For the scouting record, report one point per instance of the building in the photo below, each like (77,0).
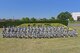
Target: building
(76,16)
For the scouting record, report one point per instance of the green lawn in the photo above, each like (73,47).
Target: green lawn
(55,45)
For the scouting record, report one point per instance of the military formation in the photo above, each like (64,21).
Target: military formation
(38,32)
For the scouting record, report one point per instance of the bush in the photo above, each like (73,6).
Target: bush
(18,22)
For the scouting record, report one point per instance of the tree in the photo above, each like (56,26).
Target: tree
(27,19)
(43,20)
(33,20)
(64,16)
(23,19)
(52,18)
(71,19)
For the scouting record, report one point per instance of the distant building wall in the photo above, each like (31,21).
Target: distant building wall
(76,15)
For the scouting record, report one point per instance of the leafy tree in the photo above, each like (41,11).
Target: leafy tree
(23,19)
(71,19)
(3,19)
(53,18)
(64,16)
(27,19)
(43,20)
(33,19)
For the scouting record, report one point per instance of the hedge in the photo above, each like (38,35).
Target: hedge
(16,23)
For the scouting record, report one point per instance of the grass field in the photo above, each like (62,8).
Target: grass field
(41,24)
(55,45)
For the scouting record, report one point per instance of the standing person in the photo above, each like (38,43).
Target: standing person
(7,32)
(4,32)
(24,32)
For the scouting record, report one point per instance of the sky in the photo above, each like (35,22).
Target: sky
(36,8)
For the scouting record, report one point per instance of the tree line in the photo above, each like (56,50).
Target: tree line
(62,18)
